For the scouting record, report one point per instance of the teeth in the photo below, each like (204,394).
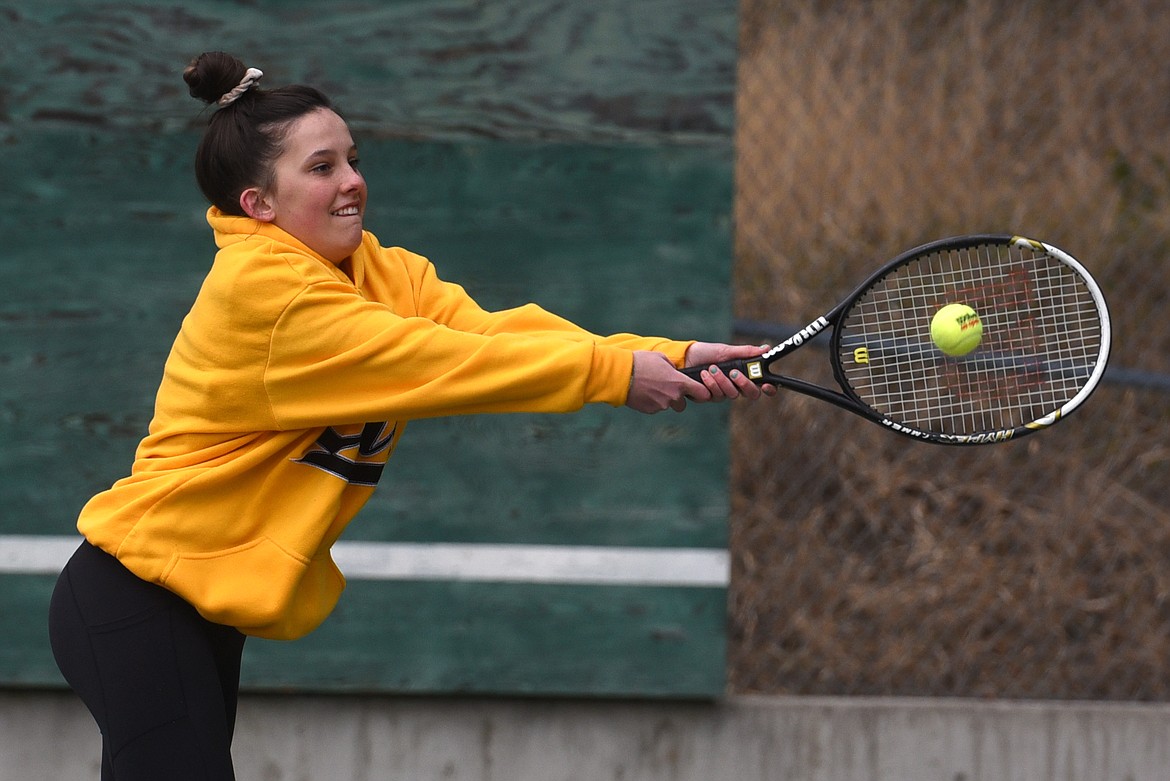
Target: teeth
(351,211)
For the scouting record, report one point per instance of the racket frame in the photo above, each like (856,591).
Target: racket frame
(757,369)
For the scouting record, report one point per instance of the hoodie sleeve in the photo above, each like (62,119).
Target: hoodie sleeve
(448,303)
(335,358)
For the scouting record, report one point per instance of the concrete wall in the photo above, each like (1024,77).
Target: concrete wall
(49,736)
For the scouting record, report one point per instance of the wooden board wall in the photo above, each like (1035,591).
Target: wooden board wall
(573,154)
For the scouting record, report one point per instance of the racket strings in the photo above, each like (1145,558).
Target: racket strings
(1041,340)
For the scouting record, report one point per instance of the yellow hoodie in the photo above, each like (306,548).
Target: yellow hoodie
(286,391)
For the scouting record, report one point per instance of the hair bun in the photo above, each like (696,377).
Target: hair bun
(212,75)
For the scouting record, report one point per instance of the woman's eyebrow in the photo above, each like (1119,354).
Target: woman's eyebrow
(326,152)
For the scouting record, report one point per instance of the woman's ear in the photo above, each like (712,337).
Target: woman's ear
(257,205)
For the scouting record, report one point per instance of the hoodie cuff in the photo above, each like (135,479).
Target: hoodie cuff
(609,376)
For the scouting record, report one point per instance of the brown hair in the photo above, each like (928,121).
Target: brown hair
(244,138)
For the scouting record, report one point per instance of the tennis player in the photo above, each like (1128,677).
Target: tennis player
(306,351)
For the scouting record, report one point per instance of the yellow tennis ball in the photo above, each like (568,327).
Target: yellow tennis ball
(956,329)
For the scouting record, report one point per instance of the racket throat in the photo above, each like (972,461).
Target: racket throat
(797,339)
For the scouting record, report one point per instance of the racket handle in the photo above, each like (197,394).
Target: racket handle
(740,365)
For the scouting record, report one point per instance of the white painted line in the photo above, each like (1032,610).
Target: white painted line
(21,555)
(567,564)
(596,565)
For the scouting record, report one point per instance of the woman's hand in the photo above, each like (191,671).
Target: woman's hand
(657,385)
(732,385)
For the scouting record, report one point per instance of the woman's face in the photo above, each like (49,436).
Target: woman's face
(318,194)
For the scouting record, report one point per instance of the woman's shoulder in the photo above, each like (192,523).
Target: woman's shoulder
(374,248)
(381,260)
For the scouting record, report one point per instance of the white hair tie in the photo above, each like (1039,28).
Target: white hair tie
(251,76)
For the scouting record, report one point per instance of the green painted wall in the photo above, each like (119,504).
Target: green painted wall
(573,154)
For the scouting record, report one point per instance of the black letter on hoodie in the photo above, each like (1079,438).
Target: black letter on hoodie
(327,453)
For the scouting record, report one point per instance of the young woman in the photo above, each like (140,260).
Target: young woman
(292,378)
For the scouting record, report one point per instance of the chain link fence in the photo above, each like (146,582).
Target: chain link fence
(864,563)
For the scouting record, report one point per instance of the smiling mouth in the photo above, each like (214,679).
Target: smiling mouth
(348,211)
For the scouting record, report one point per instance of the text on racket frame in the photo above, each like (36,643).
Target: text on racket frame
(798,338)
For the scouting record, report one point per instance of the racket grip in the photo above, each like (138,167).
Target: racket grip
(740,365)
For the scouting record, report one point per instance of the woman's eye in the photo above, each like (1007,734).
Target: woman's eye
(355,162)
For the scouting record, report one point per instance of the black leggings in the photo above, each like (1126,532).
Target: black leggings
(160,680)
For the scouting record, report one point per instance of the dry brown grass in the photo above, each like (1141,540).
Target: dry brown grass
(867,564)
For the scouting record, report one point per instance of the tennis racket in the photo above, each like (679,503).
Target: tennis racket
(1044,346)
